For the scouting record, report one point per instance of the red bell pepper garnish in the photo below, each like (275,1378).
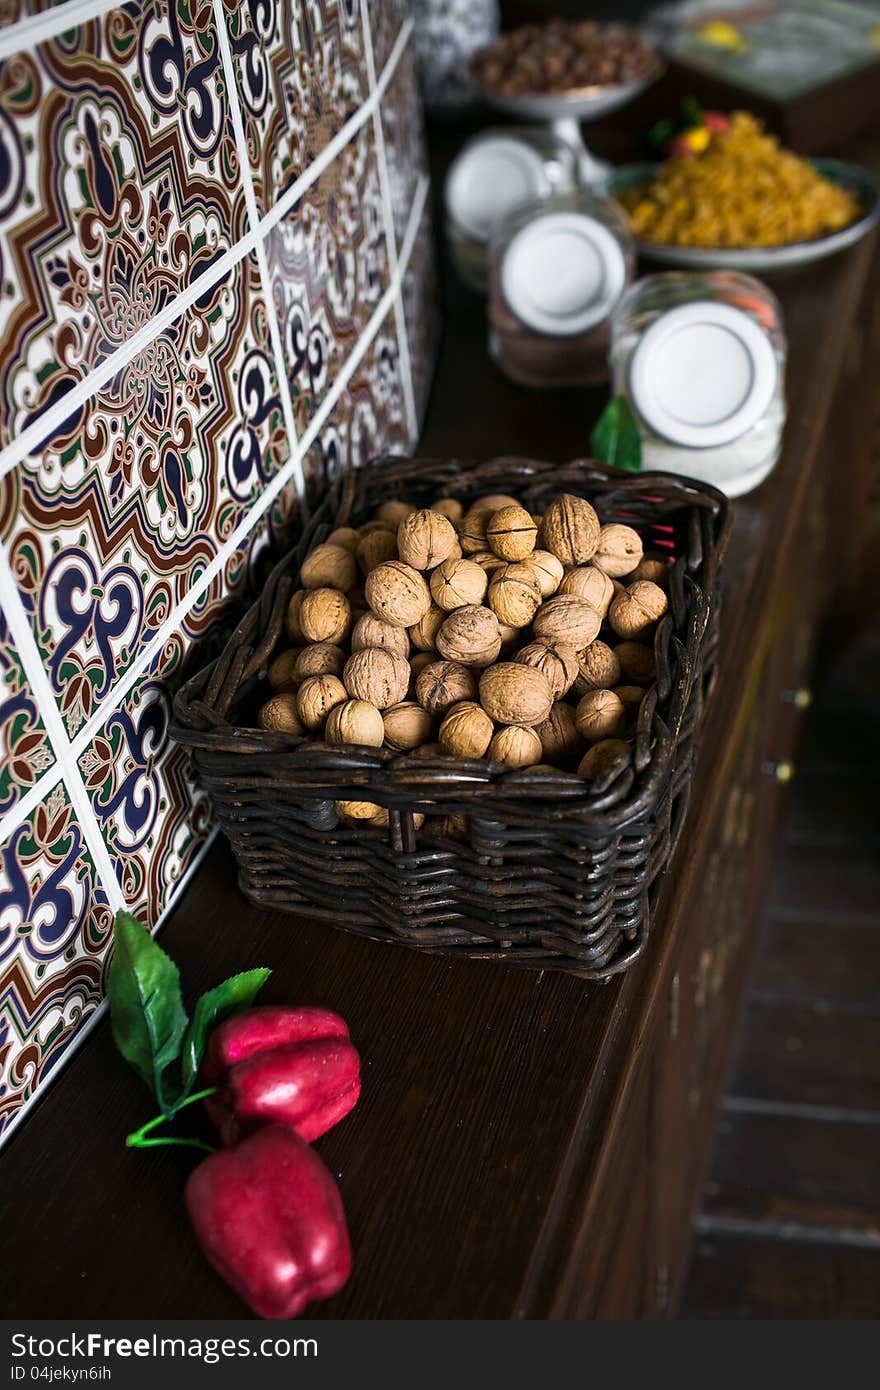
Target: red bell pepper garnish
(269,1218)
(280,1066)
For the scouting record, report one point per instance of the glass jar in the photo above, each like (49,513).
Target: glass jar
(495,173)
(558,269)
(701,360)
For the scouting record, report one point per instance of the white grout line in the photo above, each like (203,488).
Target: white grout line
(36,29)
(26,803)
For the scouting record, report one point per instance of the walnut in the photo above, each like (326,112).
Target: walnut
(494,501)
(282,670)
(279,714)
(610,756)
(424,539)
(488,561)
(292,625)
(329,567)
(320,659)
(515,595)
(355,721)
(557,661)
(570,530)
(568,618)
(456,583)
(407,726)
(598,668)
(443,684)
(369,528)
(515,694)
(470,635)
(472,531)
(417,664)
(449,507)
(424,633)
(325,615)
(428,750)
(511,533)
(376,675)
(375,549)
(548,569)
(398,594)
(637,608)
(467,731)
(360,813)
(450,827)
(600,714)
(652,568)
(510,636)
(515,746)
(370,631)
(393,512)
(636,662)
(316,697)
(456,552)
(560,738)
(619,550)
(593,585)
(346,536)
(630,695)
(357,601)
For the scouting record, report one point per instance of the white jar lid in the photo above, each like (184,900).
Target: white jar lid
(492,177)
(702,374)
(563,273)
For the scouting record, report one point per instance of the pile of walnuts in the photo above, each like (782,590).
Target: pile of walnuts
(491,633)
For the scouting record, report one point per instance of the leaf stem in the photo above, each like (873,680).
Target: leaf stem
(138,1140)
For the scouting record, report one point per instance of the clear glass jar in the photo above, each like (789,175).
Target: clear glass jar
(494,174)
(701,360)
(557,270)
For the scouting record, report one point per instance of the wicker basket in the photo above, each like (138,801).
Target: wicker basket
(553,874)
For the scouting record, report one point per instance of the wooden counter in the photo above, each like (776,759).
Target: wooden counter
(527,1145)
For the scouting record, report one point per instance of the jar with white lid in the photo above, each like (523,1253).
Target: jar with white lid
(494,174)
(701,360)
(558,270)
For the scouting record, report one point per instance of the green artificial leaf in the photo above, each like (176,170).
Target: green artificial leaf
(147,1016)
(235,994)
(616,440)
(692,113)
(660,134)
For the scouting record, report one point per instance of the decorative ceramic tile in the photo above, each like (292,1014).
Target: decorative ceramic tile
(55,925)
(25,751)
(386,18)
(301,72)
(329,267)
(421,303)
(138,199)
(111,522)
(13,10)
(403,128)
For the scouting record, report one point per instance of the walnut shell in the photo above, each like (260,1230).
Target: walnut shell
(488,561)
(450,827)
(346,536)
(570,530)
(472,531)
(369,527)
(515,595)
(561,741)
(282,670)
(598,668)
(600,714)
(428,750)
(376,675)
(325,615)
(548,569)
(510,636)
(320,659)
(567,618)
(329,567)
(355,721)
(376,549)
(425,539)
(557,662)
(470,635)
(637,663)
(590,584)
(417,663)
(360,813)
(637,608)
(610,755)
(654,569)
(292,625)
(619,550)
(630,695)
(511,533)
(515,694)
(280,715)
(397,594)
(456,583)
(370,631)
(449,507)
(423,634)
(407,726)
(467,731)
(393,512)
(494,501)
(515,746)
(443,684)
(316,697)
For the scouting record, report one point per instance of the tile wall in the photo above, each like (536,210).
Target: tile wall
(215,287)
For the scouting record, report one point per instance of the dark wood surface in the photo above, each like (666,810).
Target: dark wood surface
(527,1145)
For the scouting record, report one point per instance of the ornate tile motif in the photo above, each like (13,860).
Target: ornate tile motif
(119,185)
(301,72)
(386,18)
(329,267)
(421,304)
(111,521)
(55,925)
(403,128)
(25,751)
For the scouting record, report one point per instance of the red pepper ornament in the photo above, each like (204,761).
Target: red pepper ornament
(280,1066)
(269,1218)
